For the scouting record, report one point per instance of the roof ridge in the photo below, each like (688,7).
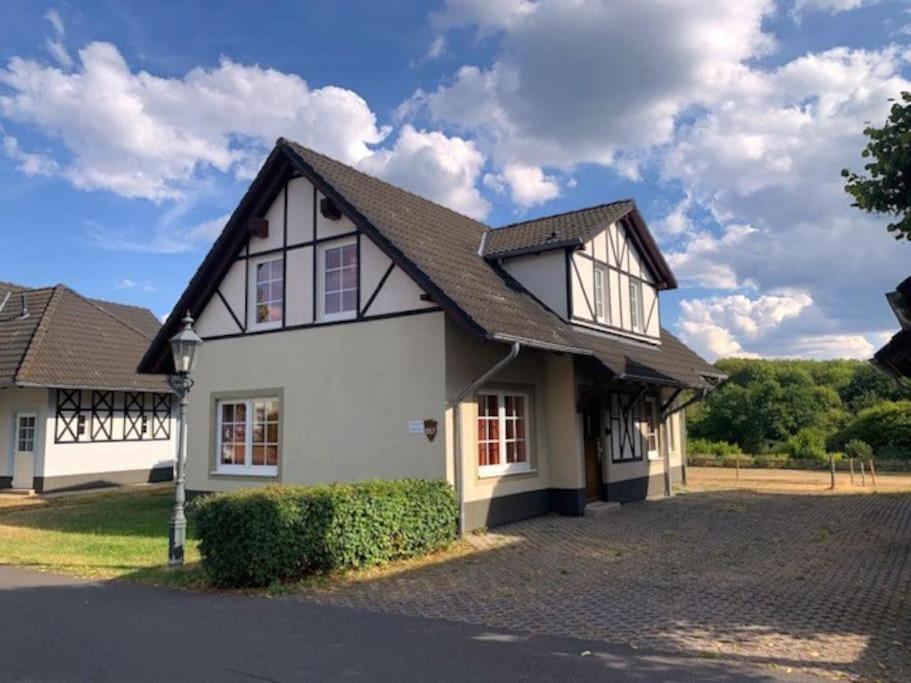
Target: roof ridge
(286,141)
(98,304)
(566,213)
(40,329)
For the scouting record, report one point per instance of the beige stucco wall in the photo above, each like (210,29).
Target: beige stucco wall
(556,455)
(544,275)
(348,393)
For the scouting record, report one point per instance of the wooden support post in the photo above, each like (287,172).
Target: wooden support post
(832,468)
(737,467)
(851,463)
(863,477)
(872,472)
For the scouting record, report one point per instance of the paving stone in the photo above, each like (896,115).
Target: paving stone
(786,580)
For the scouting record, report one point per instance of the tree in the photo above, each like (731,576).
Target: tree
(887,188)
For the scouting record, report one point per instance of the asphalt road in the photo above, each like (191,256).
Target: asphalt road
(55,628)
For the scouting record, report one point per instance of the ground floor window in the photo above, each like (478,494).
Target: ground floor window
(650,429)
(502,433)
(248,441)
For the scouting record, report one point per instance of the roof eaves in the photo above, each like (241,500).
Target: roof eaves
(535,248)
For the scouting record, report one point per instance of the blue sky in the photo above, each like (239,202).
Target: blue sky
(129,131)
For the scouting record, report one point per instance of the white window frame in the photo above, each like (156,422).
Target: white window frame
(650,406)
(321,282)
(636,310)
(248,468)
(32,428)
(602,311)
(503,467)
(253,263)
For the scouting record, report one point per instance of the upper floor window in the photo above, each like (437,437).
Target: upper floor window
(635,306)
(339,281)
(601,306)
(269,292)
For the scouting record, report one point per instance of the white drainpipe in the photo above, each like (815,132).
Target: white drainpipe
(457,427)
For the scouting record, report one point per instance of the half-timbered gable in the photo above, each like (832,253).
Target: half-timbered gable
(305,264)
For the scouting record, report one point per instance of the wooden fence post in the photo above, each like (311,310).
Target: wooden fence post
(737,467)
(863,477)
(872,472)
(851,463)
(832,467)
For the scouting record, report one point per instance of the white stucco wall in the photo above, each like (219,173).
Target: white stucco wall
(544,275)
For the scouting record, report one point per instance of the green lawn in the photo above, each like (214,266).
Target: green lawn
(112,535)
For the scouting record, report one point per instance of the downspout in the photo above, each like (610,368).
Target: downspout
(457,427)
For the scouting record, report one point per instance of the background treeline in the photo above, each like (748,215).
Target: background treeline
(802,408)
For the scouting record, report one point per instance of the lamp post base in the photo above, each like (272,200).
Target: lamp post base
(177,537)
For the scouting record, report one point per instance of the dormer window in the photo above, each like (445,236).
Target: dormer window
(635,306)
(602,312)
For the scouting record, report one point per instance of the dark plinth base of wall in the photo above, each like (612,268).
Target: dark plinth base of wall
(97,480)
(517,506)
(630,490)
(6,482)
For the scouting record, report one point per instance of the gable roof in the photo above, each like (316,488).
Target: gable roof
(55,337)
(438,248)
(572,229)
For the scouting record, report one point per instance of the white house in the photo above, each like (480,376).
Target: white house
(74,413)
(355,330)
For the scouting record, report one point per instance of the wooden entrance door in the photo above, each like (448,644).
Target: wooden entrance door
(592,426)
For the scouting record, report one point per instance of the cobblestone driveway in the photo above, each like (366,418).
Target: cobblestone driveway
(818,582)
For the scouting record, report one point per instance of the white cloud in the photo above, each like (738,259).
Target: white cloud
(144,286)
(486,15)
(703,261)
(528,185)
(436,49)
(55,45)
(141,135)
(833,6)
(29,163)
(780,324)
(444,169)
(573,83)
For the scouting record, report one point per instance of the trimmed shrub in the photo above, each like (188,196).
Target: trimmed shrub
(707,447)
(255,537)
(861,450)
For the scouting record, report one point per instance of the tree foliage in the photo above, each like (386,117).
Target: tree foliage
(784,406)
(886,186)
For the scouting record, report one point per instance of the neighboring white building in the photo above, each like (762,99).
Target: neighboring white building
(74,413)
(355,330)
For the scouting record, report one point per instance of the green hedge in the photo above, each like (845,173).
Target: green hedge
(255,537)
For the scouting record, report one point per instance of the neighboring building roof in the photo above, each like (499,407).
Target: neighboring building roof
(895,356)
(438,248)
(573,229)
(55,337)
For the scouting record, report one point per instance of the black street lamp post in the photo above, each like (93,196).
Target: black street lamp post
(184,345)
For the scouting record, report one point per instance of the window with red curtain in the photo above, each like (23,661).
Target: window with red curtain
(502,433)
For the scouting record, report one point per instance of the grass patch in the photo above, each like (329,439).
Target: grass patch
(109,536)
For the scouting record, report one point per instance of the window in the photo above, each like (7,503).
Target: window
(601,306)
(502,433)
(248,436)
(650,430)
(635,305)
(269,292)
(339,284)
(25,434)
